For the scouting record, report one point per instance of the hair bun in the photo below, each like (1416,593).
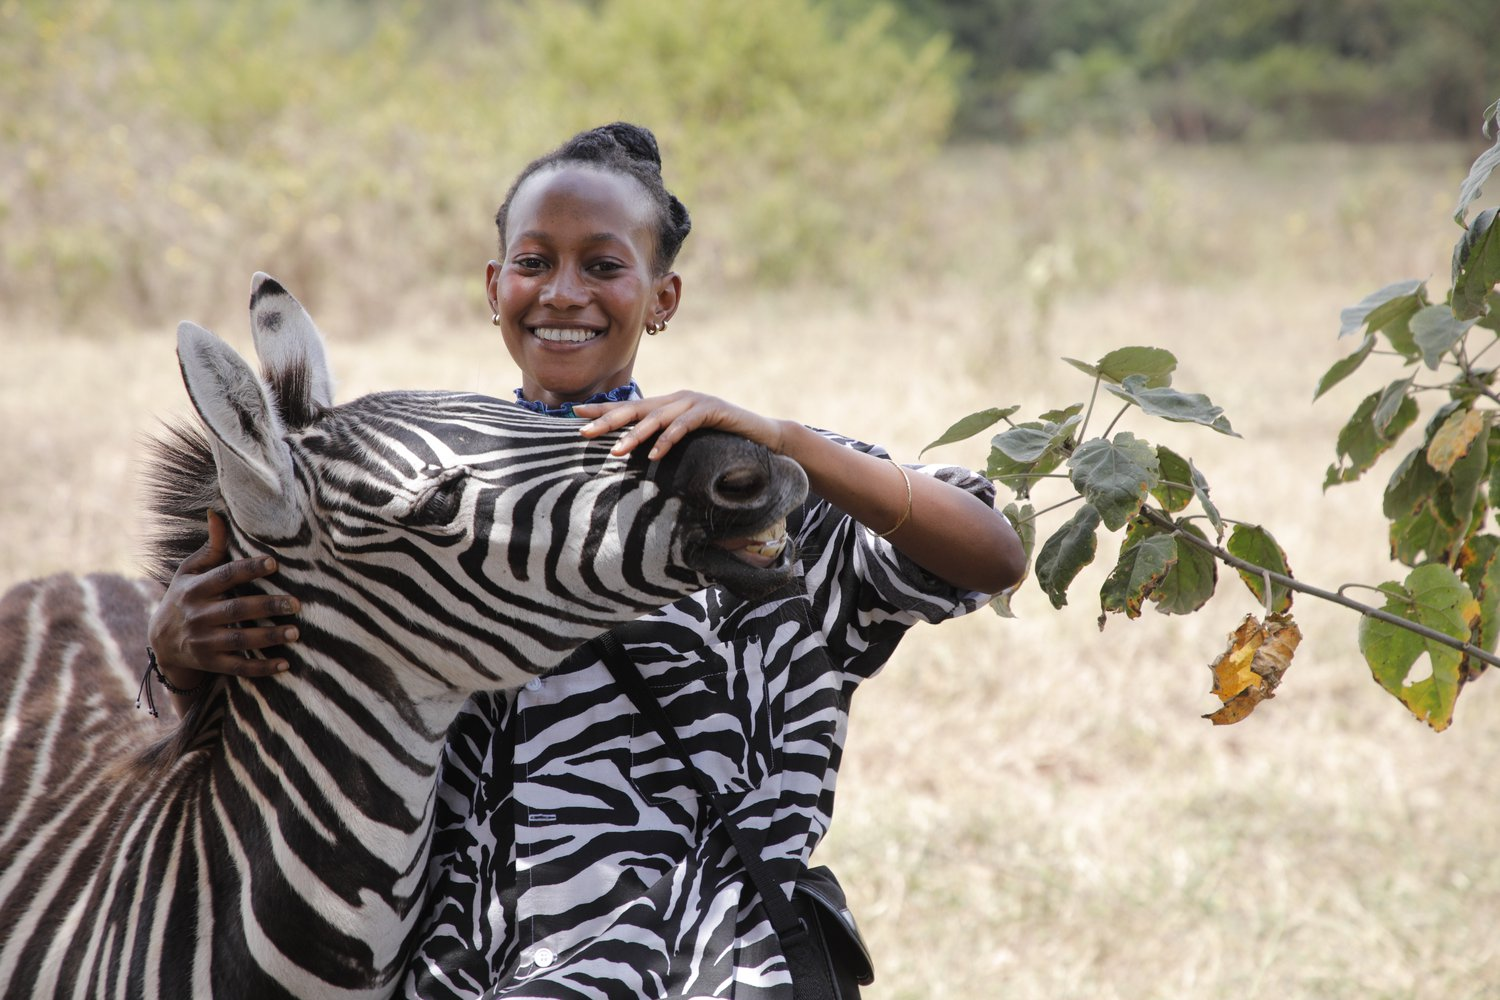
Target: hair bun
(638,142)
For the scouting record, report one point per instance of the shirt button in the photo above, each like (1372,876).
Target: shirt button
(535,684)
(543,958)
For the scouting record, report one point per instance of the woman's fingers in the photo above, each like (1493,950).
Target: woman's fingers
(219,580)
(667,418)
(221,650)
(239,610)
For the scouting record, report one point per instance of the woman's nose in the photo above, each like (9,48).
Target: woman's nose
(566,288)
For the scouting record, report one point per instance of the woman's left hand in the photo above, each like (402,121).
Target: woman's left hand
(674,415)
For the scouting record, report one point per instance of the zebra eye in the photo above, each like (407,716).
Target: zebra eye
(439,501)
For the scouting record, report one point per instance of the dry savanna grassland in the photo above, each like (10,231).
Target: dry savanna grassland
(1030,808)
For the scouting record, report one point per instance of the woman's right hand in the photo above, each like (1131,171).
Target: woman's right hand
(193,630)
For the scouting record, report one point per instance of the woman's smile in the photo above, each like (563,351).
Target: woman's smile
(565,335)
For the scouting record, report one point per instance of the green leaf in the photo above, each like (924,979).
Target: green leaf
(1412,484)
(1481,574)
(1491,318)
(1151,363)
(1345,367)
(1032,440)
(1432,509)
(1200,489)
(1182,407)
(1494,473)
(1145,559)
(1423,537)
(1023,517)
(1433,596)
(1175,490)
(1392,398)
(1255,544)
(1480,172)
(1435,331)
(1476,266)
(1360,442)
(1380,308)
(1115,476)
(1069,549)
(1022,454)
(1190,581)
(971,425)
(1061,416)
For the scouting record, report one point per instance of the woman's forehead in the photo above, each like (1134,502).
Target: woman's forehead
(573,195)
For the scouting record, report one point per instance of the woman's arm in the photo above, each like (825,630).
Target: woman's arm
(947,531)
(198,629)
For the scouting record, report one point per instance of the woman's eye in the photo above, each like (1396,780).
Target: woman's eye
(530,263)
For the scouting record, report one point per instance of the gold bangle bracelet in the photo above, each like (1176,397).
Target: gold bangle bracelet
(906,514)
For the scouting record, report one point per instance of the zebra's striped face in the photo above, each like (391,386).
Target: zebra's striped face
(482,542)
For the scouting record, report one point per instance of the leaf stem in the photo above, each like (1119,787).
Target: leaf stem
(1084,427)
(1467,648)
(1112,423)
(1061,503)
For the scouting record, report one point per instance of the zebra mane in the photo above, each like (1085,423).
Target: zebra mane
(181,485)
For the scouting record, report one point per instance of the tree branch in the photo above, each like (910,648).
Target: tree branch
(1469,649)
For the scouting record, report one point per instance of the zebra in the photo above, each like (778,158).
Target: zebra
(274,843)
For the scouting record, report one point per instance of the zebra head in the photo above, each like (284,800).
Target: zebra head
(466,536)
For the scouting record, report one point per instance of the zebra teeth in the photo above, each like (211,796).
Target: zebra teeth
(564,335)
(762,548)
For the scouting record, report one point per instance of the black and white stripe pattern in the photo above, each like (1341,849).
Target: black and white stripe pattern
(275,843)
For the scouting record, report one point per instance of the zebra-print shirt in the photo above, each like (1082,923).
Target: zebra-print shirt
(572,857)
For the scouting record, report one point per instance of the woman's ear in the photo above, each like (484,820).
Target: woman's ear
(668,296)
(492,285)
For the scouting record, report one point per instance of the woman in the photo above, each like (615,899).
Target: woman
(572,856)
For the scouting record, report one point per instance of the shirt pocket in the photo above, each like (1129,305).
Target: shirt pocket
(719,706)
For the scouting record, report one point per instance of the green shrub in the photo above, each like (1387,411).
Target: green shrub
(153,154)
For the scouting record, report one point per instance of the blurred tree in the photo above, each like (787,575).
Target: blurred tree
(1221,68)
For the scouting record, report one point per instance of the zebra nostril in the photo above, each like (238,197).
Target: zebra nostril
(741,485)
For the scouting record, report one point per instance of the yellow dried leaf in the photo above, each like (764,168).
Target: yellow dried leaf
(1248,672)
(1452,440)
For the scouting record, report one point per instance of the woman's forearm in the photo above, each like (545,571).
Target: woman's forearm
(949,532)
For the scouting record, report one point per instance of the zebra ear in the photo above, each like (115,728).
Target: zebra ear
(291,351)
(245,432)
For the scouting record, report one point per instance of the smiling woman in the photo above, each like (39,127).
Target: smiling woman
(572,848)
(578,284)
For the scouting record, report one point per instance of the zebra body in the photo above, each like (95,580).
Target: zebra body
(274,843)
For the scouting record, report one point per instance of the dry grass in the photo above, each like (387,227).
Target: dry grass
(1033,809)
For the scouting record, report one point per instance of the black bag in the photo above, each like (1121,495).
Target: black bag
(819,901)
(827,957)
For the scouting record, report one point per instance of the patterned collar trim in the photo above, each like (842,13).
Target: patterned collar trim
(618,395)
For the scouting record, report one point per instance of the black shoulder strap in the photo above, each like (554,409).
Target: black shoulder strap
(809,976)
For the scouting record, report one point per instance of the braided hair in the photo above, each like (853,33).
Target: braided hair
(620,148)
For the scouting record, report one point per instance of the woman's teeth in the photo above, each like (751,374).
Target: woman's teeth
(559,335)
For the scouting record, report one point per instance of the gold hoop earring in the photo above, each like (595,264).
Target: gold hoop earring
(495,319)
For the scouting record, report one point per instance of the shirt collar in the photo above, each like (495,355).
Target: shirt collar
(617,395)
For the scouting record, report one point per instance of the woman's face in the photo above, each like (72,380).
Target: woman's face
(575,289)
